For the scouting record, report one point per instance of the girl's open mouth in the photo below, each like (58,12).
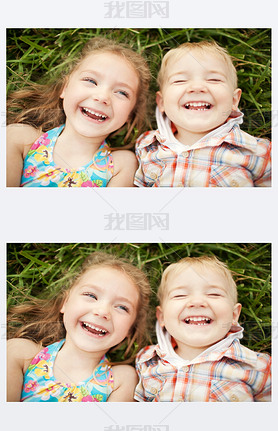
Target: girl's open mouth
(94,115)
(94,330)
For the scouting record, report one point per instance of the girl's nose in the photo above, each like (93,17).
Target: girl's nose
(101,95)
(102,309)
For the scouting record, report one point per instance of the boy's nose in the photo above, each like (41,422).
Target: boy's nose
(197,86)
(197,301)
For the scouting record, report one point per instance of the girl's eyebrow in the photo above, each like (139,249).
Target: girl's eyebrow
(94,72)
(99,288)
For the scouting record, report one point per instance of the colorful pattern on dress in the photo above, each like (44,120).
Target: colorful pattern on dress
(39,169)
(40,385)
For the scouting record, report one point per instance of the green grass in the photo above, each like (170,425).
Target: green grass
(42,269)
(40,54)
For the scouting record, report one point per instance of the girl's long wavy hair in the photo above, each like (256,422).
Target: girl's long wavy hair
(40,105)
(41,321)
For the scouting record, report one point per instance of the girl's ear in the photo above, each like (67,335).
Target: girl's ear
(159,316)
(62,310)
(62,95)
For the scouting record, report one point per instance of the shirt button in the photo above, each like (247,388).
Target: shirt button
(180,185)
(234,183)
(234,398)
(180,400)
(153,175)
(154,391)
(185,154)
(185,368)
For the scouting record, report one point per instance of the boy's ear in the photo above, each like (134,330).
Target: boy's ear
(236,312)
(159,101)
(159,316)
(236,98)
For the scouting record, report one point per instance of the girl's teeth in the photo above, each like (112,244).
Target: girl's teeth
(94,328)
(91,113)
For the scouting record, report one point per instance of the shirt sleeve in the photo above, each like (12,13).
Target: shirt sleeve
(263,174)
(263,383)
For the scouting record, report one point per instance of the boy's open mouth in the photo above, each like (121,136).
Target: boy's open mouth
(200,320)
(95,330)
(94,115)
(198,106)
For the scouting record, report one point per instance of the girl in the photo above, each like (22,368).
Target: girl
(58,134)
(105,305)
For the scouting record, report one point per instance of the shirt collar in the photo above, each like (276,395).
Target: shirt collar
(229,131)
(229,347)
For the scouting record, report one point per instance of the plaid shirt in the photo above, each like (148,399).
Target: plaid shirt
(234,159)
(236,374)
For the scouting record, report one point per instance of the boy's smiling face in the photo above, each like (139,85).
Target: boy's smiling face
(198,94)
(198,309)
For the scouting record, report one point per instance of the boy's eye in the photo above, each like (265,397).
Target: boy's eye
(180,296)
(214,80)
(214,294)
(179,81)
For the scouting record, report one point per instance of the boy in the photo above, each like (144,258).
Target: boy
(199,142)
(199,356)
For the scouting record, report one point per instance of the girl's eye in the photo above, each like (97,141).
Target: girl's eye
(90,80)
(123,93)
(90,295)
(123,307)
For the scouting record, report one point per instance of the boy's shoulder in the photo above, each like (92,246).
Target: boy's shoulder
(148,353)
(148,138)
(257,360)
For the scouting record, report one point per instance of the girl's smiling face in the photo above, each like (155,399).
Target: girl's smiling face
(198,309)
(100,310)
(100,95)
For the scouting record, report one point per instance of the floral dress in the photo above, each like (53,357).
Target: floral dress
(40,385)
(39,169)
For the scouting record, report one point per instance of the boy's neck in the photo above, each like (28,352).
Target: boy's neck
(189,139)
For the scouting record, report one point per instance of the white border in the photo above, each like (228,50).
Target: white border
(197,215)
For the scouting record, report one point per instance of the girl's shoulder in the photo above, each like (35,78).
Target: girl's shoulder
(22,135)
(125,165)
(125,380)
(22,351)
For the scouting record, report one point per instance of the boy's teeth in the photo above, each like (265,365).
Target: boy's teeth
(198,320)
(94,328)
(198,105)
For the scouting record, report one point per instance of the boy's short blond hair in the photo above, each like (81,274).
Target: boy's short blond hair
(202,262)
(208,46)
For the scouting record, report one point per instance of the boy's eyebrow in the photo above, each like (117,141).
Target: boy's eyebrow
(184,72)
